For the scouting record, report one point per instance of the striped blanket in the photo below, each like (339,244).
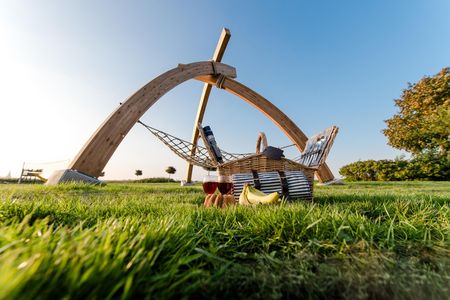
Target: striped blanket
(296,185)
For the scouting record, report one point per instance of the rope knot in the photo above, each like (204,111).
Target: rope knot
(220,81)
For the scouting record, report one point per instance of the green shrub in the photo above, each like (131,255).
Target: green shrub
(144,180)
(155,180)
(429,167)
(9,180)
(423,167)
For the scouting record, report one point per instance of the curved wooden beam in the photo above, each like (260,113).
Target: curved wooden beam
(272,112)
(96,153)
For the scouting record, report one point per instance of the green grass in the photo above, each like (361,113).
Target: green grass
(121,241)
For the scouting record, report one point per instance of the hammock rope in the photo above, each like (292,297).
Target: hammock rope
(183,149)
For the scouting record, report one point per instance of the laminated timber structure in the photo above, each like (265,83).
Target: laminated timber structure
(93,157)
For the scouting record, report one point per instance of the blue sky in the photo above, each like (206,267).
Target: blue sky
(65,66)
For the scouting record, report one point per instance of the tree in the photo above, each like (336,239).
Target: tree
(138,173)
(170,170)
(422,124)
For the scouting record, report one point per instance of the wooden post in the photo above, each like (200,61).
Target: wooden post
(217,57)
(274,114)
(93,157)
(21,173)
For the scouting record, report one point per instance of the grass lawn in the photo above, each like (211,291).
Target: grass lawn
(358,241)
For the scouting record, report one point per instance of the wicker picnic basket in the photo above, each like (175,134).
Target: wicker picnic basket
(261,163)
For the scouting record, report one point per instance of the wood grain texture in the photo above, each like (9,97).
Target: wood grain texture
(217,57)
(96,153)
(222,45)
(283,122)
(261,140)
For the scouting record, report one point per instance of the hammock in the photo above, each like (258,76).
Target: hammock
(183,149)
(315,153)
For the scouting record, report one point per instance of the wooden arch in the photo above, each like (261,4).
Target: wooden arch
(96,153)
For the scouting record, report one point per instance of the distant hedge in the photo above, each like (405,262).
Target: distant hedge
(155,180)
(425,167)
(9,180)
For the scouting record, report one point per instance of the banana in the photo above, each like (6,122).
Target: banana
(255,191)
(243,200)
(251,195)
(267,199)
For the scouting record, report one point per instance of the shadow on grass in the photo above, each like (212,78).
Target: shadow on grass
(378,199)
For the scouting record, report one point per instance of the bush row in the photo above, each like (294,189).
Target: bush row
(424,167)
(144,180)
(155,180)
(9,180)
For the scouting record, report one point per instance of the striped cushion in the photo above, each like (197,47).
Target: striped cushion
(298,184)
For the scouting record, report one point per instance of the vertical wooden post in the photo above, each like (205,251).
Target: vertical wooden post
(217,57)
(21,173)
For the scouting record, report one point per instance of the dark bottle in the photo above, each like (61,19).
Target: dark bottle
(212,142)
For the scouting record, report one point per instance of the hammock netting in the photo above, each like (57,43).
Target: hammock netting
(314,154)
(183,149)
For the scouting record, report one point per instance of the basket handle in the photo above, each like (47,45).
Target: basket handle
(261,138)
